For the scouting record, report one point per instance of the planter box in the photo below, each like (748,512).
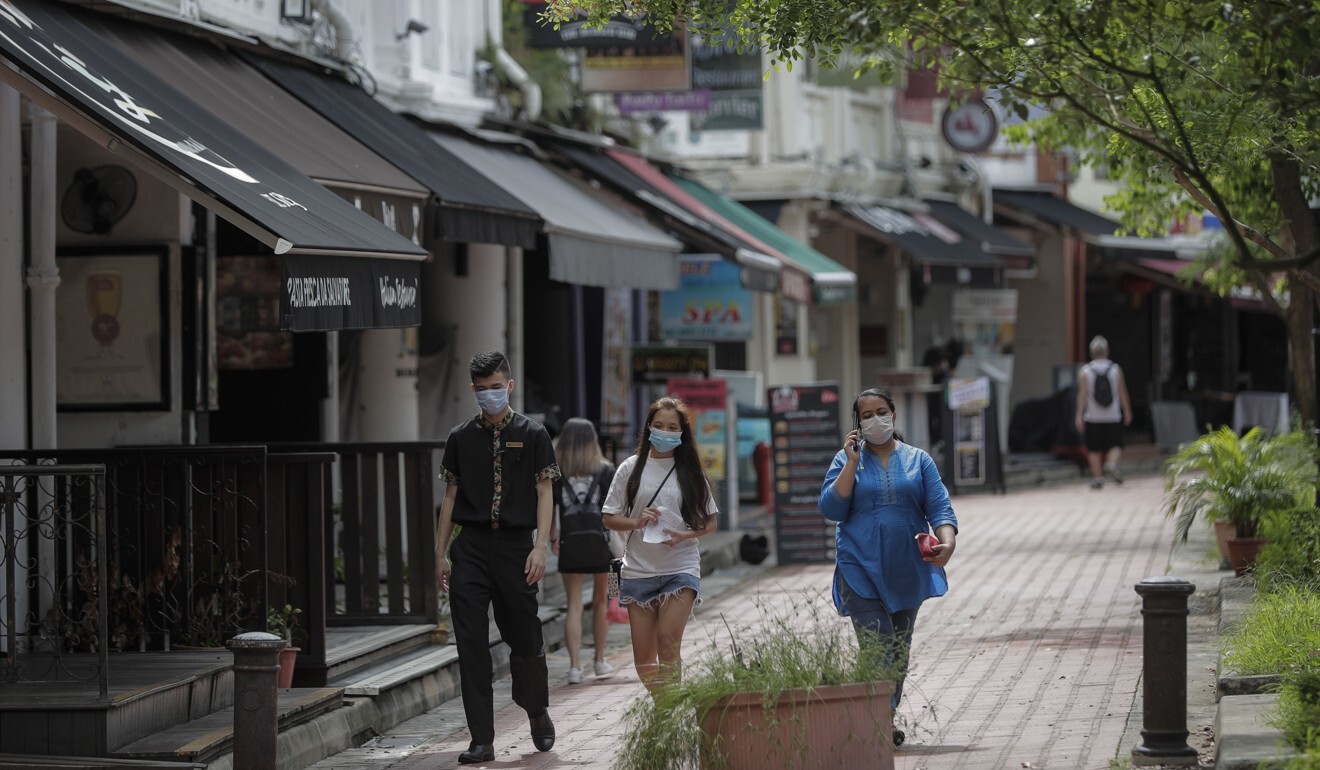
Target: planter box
(836,726)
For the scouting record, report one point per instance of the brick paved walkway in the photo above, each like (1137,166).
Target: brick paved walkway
(1032,660)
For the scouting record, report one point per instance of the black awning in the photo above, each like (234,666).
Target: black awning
(61,64)
(328,293)
(923,237)
(473,209)
(1046,206)
(992,239)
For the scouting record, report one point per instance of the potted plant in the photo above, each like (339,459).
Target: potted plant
(1241,481)
(797,693)
(280,622)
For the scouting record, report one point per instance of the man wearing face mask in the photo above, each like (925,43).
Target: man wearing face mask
(884,493)
(499,468)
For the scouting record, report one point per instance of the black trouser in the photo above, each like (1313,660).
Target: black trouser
(488,570)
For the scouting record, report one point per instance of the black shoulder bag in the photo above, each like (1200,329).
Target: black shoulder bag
(616,566)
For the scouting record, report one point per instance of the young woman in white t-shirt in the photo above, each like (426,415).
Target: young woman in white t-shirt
(662,502)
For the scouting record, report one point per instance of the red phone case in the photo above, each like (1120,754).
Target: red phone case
(926,543)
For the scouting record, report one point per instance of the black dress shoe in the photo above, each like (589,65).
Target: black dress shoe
(477,752)
(543,731)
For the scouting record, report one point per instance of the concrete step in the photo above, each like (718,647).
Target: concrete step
(1244,739)
(353,649)
(204,739)
(43,762)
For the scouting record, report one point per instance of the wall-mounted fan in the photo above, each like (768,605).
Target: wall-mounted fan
(98,198)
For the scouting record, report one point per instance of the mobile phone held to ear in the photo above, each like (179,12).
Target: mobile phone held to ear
(857,426)
(926,543)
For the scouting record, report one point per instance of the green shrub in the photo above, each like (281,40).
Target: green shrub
(1278,632)
(1299,705)
(1292,554)
(1241,479)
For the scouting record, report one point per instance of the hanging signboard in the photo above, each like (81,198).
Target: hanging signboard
(659,364)
(709,304)
(805,436)
(735,80)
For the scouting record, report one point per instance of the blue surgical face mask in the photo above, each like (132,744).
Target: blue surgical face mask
(665,441)
(492,401)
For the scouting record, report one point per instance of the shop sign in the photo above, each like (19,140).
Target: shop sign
(322,293)
(710,302)
(708,401)
(659,364)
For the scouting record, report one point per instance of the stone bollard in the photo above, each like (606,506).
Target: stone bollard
(256,716)
(1164,673)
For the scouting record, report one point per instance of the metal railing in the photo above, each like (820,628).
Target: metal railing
(56,583)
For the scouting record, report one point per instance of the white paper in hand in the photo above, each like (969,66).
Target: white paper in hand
(655,533)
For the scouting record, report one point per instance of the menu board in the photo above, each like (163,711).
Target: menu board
(805,436)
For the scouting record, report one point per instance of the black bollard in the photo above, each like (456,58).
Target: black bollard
(256,716)
(1164,673)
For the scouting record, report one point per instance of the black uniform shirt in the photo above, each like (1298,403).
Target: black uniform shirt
(496,468)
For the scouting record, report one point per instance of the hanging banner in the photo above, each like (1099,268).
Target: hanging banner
(322,293)
(708,400)
(709,304)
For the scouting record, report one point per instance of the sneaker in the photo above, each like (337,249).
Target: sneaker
(575,676)
(1114,473)
(603,668)
(1097,483)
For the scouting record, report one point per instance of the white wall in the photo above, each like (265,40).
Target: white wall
(155,219)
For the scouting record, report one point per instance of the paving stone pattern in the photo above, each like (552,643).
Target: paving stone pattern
(1033,660)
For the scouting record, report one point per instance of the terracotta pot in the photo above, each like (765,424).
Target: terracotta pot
(288,657)
(1242,553)
(1224,529)
(836,726)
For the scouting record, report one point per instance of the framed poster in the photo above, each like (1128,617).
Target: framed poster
(112,329)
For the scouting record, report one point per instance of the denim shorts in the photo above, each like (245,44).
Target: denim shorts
(653,591)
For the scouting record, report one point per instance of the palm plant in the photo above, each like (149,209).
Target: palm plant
(1239,479)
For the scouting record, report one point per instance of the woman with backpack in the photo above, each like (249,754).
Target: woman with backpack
(578,537)
(662,500)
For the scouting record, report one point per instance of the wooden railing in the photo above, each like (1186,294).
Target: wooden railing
(202,541)
(381,543)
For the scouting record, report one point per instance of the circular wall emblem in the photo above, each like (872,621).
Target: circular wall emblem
(970,127)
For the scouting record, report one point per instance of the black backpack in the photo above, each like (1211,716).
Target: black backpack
(1104,392)
(583,541)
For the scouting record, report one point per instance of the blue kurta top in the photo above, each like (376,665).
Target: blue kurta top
(878,524)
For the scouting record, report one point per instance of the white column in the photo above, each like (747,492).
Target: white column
(387,377)
(42,276)
(514,313)
(13,338)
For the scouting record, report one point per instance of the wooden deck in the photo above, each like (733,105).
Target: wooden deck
(149,692)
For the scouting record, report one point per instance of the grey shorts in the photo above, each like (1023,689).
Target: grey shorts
(653,591)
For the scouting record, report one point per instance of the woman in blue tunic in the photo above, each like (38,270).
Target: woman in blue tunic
(882,493)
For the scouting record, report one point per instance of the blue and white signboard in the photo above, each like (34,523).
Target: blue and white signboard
(709,304)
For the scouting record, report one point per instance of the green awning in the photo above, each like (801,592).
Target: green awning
(831,283)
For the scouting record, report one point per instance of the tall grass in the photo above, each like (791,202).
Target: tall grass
(804,646)
(1277,634)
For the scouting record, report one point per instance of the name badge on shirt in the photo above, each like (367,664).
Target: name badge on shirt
(513,445)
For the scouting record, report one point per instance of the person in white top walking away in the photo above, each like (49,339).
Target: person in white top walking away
(660,498)
(587,474)
(1103,409)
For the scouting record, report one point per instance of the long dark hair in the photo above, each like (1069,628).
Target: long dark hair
(874,393)
(687,465)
